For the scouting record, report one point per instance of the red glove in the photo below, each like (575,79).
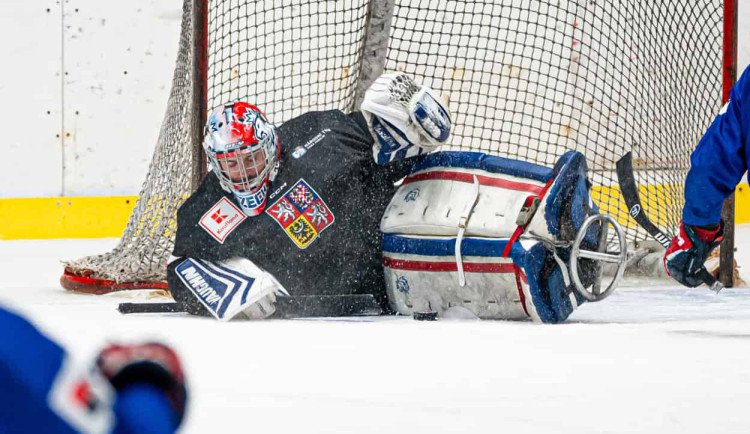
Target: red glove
(149,363)
(689,250)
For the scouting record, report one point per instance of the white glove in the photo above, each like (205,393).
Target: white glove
(232,288)
(401,113)
(261,300)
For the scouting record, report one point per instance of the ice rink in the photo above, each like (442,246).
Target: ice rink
(652,358)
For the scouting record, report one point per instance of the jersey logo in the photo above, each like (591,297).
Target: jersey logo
(302,214)
(222,219)
(299,151)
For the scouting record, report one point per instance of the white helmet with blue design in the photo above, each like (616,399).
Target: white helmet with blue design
(243,150)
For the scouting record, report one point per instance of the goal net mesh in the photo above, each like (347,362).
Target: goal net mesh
(523,79)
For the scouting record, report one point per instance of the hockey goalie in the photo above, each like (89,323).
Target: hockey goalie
(290,217)
(293,212)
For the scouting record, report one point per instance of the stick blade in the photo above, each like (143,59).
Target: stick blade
(629,192)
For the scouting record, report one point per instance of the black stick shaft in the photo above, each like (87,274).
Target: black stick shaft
(630,194)
(301,306)
(150,307)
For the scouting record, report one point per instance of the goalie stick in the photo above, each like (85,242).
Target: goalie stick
(300,306)
(630,194)
(150,307)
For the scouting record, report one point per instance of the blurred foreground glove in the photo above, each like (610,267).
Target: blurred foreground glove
(151,363)
(689,250)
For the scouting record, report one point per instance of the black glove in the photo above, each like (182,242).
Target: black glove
(689,250)
(149,363)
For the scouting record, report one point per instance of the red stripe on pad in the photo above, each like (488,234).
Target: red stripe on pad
(469,178)
(482,267)
(513,238)
(520,275)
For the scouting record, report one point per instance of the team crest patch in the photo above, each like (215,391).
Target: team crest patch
(302,214)
(222,219)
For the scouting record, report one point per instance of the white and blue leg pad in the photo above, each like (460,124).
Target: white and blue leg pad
(230,288)
(421,274)
(475,230)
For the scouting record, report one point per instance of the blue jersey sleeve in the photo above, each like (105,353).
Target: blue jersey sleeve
(42,390)
(719,160)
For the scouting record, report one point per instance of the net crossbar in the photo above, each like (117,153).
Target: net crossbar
(528,80)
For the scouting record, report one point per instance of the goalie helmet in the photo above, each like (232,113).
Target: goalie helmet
(243,150)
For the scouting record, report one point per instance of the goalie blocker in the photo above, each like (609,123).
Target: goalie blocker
(505,239)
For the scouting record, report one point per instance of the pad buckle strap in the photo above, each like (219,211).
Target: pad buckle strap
(526,215)
(463,222)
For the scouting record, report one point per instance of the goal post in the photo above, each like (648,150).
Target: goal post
(523,79)
(729,65)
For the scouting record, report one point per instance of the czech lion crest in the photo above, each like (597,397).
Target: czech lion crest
(302,214)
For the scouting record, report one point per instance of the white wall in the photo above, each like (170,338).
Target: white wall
(83,88)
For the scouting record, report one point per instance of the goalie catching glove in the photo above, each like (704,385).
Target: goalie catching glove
(404,117)
(689,250)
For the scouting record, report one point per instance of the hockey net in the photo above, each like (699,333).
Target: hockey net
(524,79)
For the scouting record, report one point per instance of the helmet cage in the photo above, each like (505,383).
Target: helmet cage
(242,168)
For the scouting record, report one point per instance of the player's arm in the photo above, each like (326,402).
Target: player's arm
(404,118)
(716,167)
(719,160)
(233,288)
(134,388)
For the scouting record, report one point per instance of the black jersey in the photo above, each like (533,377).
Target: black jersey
(319,233)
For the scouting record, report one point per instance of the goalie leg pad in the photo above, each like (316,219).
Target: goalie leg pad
(568,200)
(520,206)
(421,274)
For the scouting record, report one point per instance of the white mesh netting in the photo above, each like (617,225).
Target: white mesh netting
(524,79)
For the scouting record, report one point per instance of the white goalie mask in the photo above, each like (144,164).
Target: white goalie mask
(243,150)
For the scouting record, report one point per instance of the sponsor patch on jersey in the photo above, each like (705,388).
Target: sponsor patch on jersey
(222,219)
(299,151)
(301,213)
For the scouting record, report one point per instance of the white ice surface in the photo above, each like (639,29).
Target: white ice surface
(652,358)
